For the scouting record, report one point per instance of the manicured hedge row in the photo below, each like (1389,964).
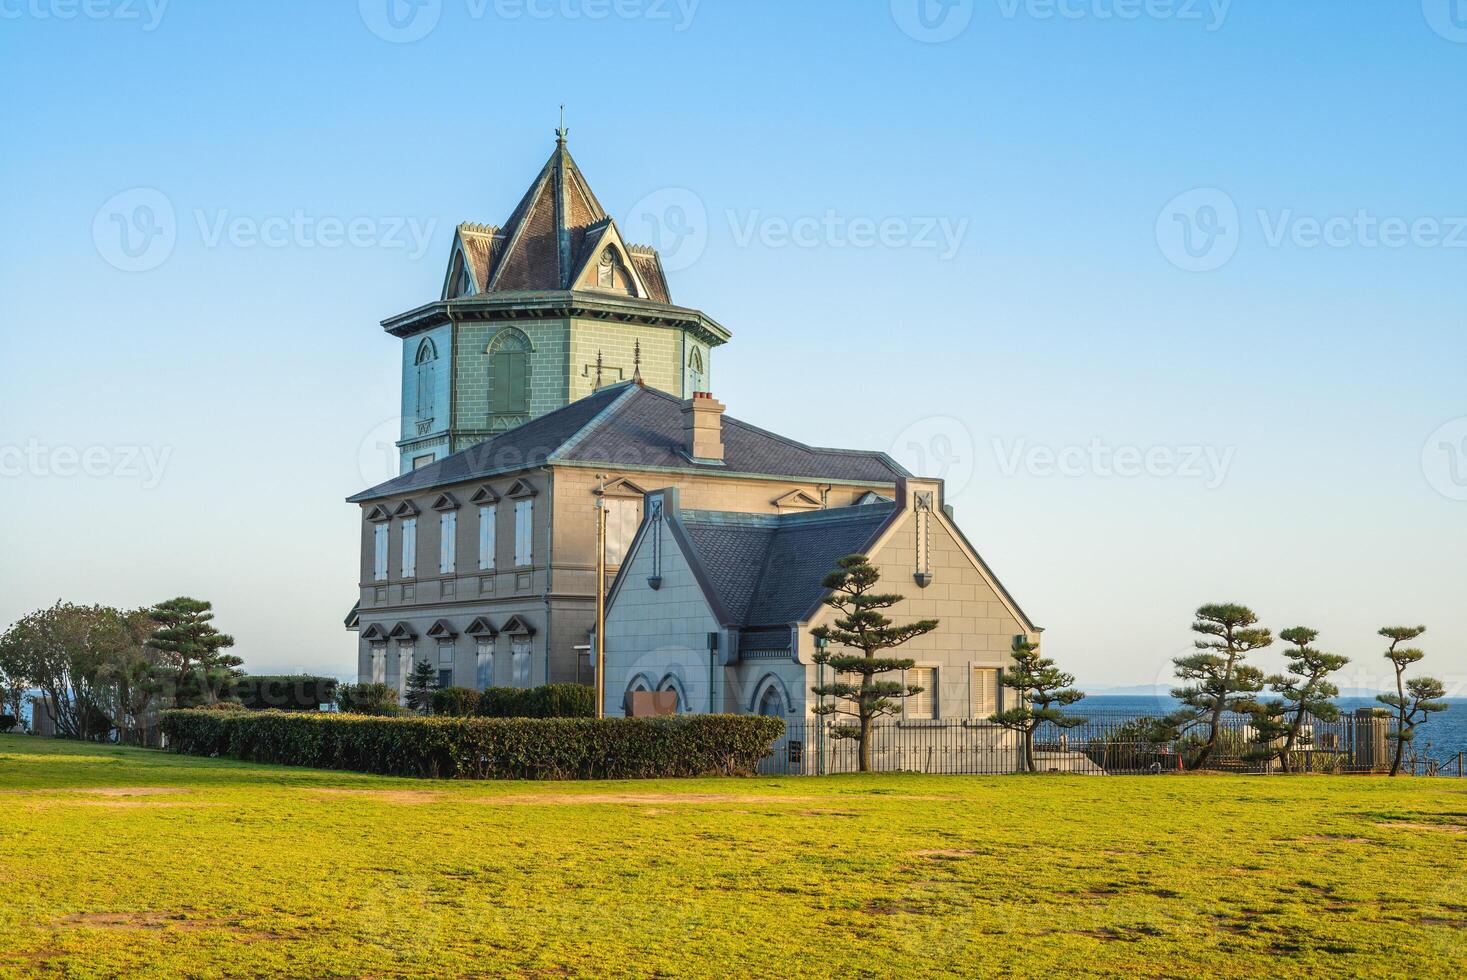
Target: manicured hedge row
(288,692)
(483,748)
(547,701)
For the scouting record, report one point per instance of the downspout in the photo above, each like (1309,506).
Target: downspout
(549,561)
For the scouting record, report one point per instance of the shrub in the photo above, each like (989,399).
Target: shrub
(455,702)
(483,748)
(549,701)
(222,706)
(367,699)
(287,692)
(8,722)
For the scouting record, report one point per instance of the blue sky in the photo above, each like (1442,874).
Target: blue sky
(1172,293)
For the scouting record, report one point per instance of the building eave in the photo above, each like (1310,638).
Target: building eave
(561,304)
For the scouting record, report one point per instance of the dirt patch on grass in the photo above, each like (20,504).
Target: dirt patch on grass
(155,921)
(131,790)
(1445,828)
(387,795)
(563,799)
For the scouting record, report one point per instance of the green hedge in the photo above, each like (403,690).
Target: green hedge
(287,692)
(483,748)
(455,702)
(548,701)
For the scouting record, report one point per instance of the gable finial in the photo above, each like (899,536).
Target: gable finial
(561,132)
(637,361)
(598,369)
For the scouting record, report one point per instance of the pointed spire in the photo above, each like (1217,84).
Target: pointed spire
(637,362)
(598,370)
(561,132)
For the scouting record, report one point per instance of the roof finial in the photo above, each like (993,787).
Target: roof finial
(560,133)
(637,362)
(598,369)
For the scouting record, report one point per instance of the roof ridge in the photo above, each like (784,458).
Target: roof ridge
(591,424)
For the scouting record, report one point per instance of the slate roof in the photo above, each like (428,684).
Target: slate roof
(549,236)
(766,569)
(630,426)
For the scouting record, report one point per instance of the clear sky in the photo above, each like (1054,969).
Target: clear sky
(1173,292)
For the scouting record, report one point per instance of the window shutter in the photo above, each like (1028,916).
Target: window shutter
(410,548)
(985,691)
(511,383)
(488,514)
(447,546)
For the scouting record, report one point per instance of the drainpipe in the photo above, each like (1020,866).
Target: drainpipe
(549,559)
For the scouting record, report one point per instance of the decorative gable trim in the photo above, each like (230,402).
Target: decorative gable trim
(622,487)
(517,625)
(374,632)
(796,500)
(406,509)
(598,240)
(446,501)
(402,631)
(520,489)
(379,514)
(442,630)
(484,495)
(354,618)
(482,629)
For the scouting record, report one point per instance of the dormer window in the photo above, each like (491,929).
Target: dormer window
(606,269)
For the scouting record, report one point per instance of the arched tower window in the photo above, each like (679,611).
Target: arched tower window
(509,373)
(697,375)
(427,368)
(771,704)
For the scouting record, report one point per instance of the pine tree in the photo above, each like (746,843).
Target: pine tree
(1416,700)
(862,627)
(1303,693)
(1041,686)
(1220,680)
(187,637)
(421,684)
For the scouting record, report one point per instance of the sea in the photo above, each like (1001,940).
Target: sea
(1440,738)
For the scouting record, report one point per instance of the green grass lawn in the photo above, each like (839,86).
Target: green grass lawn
(127,862)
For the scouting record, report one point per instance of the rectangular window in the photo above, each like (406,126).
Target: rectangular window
(520,662)
(445,663)
(447,546)
(623,515)
(410,548)
(524,526)
(484,667)
(923,705)
(379,663)
(511,394)
(404,666)
(488,514)
(985,691)
(421,461)
(379,547)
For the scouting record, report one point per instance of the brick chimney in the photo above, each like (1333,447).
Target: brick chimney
(703,427)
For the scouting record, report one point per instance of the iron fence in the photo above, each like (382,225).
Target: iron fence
(1106,743)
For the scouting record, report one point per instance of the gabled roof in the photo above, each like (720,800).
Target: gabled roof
(552,234)
(766,569)
(632,427)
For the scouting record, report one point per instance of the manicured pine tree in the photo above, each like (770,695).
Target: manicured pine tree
(421,684)
(1416,700)
(1303,693)
(1043,690)
(186,636)
(1219,679)
(862,627)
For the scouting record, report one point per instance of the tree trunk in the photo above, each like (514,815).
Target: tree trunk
(1400,720)
(864,762)
(1400,749)
(1291,739)
(1029,750)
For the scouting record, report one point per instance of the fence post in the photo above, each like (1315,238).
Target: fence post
(1371,727)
